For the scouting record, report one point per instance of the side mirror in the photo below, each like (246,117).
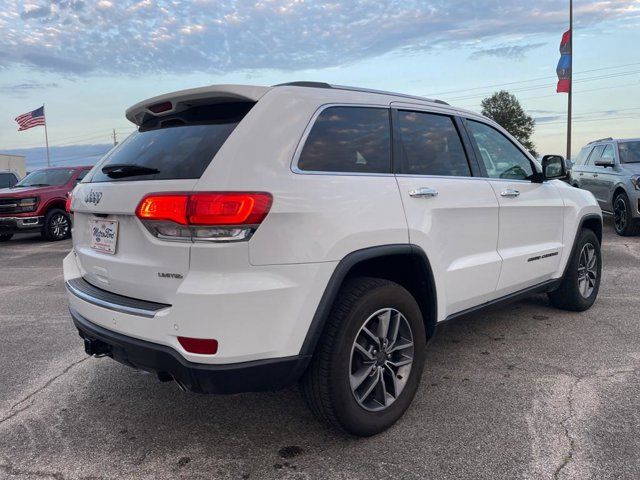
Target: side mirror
(553,166)
(604,162)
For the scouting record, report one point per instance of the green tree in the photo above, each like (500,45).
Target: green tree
(505,109)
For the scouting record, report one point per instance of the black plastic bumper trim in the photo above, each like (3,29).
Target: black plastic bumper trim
(112,301)
(254,376)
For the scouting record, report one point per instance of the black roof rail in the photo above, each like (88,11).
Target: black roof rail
(600,140)
(357,89)
(304,84)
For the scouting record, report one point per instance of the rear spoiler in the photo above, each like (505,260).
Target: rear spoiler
(184,99)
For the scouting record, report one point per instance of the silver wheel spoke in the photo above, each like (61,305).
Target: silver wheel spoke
(383,323)
(364,352)
(400,363)
(394,382)
(371,336)
(385,395)
(373,382)
(403,345)
(356,379)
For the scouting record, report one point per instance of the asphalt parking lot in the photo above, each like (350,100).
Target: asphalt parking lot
(522,391)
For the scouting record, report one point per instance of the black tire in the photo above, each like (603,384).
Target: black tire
(5,237)
(623,221)
(570,295)
(326,384)
(53,230)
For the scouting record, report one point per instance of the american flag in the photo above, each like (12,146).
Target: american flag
(31,119)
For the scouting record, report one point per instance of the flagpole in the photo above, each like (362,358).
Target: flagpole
(569,97)
(46,137)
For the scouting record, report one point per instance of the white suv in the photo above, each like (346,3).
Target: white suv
(246,238)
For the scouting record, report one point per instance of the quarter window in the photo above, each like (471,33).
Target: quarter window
(501,158)
(349,139)
(430,145)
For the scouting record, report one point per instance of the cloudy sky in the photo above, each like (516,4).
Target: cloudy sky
(89,60)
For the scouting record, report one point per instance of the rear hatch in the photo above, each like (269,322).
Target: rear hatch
(168,153)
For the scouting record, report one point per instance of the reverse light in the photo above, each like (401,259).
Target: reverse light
(203,346)
(207,216)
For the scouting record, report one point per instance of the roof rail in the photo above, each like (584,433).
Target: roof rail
(304,84)
(600,140)
(357,89)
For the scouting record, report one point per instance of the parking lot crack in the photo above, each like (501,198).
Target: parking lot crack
(568,456)
(26,402)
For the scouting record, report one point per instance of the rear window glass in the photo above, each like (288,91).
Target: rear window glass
(430,145)
(349,139)
(179,146)
(7,180)
(46,178)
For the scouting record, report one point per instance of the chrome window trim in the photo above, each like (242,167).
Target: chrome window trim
(303,139)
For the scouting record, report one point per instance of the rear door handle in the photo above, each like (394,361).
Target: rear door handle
(423,192)
(595,175)
(510,193)
(581,174)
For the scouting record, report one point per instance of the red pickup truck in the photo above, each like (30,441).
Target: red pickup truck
(37,203)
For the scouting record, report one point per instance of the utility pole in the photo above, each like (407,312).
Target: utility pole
(569,97)
(115,140)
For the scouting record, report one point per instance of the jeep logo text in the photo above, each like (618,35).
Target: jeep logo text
(93,197)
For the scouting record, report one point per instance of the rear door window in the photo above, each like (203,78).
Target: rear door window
(178,146)
(349,139)
(430,145)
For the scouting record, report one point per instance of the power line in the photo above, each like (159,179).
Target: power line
(432,95)
(547,85)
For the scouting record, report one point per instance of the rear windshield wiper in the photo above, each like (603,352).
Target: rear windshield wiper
(121,170)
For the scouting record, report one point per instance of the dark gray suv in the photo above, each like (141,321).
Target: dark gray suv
(610,169)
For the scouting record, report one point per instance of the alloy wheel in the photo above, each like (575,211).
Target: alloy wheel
(587,270)
(620,214)
(59,226)
(381,359)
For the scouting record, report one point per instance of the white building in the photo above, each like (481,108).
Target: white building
(16,163)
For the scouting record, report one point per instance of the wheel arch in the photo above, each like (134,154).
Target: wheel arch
(594,223)
(404,264)
(590,221)
(617,191)
(53,203)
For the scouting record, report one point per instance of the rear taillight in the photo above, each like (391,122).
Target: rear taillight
(67,204)
(211,216)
